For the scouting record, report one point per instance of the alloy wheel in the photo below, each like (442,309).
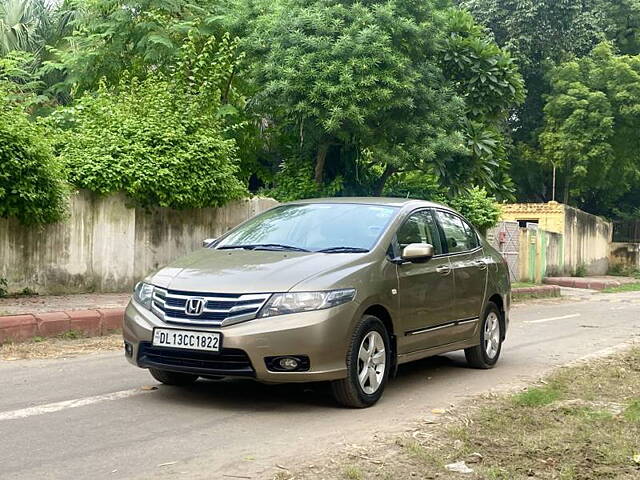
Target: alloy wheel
(372,360)
(492,335)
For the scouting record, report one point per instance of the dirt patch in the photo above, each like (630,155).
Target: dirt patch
(60,347)
(58,303)
(581,423)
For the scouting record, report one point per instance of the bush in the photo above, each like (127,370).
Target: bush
(161,140)
(478,207)
(295,181)
(31,183)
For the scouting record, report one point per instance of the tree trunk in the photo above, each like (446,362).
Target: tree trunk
(379,186)
(321,159)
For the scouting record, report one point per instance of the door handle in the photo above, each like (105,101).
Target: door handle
(481,264)
(444,269)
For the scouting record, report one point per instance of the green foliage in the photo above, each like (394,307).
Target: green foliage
(31,185)
(590,132)
(580,271)
(20,85)
(112,38)
(541,35)
(478,207)
(342,74)
(162,140)
(632,412)
(295,181)
(4,292)
(485,75)
(366,91)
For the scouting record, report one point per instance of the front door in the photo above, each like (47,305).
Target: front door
(425,290)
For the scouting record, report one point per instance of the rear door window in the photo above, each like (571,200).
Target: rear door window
(460,237)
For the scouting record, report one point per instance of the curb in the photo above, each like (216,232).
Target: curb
(18,328)
(541,291)
(580,282)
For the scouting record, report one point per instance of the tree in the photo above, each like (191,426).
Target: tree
(162,140)
(591,125)
(111,38)
(365,90)
(542,34)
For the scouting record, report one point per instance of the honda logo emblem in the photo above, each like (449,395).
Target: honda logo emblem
(194,306)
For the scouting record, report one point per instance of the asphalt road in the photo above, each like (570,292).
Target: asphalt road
(89,417)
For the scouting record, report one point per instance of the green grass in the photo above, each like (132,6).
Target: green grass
(524,284)
(353,473)
(628,287)
(632,413)
(537,396)
(71,335)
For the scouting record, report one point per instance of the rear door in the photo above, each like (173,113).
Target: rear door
(469,270)
(425,290)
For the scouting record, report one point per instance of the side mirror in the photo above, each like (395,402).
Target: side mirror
(206,243)
(418,252)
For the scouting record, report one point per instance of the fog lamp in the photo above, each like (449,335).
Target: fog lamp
(288,363)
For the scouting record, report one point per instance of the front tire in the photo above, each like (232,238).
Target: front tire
(486,355)
(173,378)
(368,365)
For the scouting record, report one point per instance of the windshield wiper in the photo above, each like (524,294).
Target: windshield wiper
(264,246)
(344,250)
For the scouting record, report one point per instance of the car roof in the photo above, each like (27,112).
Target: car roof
(388,201)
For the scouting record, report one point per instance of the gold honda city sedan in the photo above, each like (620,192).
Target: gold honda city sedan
(340,290)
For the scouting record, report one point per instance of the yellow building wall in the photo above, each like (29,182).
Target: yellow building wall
(549,216)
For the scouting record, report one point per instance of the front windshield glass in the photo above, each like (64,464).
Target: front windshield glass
(314,227)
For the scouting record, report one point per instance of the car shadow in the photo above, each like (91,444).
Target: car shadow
(247,395)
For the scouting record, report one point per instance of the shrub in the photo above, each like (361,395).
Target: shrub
(31,183)
(161,140)
(478,207)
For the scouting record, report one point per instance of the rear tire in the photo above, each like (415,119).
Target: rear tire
(368,365)
(173,378)
(486,354)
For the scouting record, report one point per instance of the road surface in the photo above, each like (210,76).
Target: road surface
(91,417)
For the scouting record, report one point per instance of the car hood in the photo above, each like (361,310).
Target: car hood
(247,271)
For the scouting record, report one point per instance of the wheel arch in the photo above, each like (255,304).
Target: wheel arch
(384,315)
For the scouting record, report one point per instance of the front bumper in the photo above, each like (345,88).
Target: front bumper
(321,335)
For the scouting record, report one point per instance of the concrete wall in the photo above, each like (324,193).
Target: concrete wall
(569,239)
(548,216)
(587,240)
(627,255)
(104,245)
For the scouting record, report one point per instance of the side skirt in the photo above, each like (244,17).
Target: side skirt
(430,352)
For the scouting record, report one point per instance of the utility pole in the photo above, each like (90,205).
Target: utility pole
(553,188)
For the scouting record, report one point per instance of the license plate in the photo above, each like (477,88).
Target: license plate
(186,339)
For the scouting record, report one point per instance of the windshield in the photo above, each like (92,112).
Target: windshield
(334,227)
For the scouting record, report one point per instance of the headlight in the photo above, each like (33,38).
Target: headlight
(296,302)
(143,293)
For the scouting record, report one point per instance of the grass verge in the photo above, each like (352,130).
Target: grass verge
(628,287)
(581,423)
(71,343)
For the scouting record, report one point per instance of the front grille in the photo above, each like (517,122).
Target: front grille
(229,361)
(219,308)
